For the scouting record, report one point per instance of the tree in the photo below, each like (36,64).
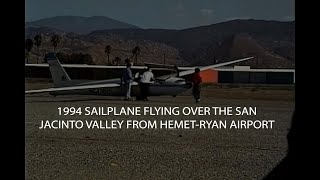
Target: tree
(107,50)
(37,42)
(75,58)
(87,59)
(63,57)
(136,51)
(117,60)
(55,40)
(28,46)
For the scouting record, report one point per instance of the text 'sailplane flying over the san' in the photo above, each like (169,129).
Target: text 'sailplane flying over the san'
(171,84)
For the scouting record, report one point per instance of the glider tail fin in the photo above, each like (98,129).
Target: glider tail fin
(58,73)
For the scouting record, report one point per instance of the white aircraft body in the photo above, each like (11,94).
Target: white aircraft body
(171,84)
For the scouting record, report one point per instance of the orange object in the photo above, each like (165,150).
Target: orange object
(209,76)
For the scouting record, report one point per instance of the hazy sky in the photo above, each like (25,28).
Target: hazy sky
(171,14)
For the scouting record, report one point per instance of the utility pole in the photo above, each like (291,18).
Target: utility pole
(164,58)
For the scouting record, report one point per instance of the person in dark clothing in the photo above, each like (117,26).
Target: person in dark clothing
(127,79)
(196,81)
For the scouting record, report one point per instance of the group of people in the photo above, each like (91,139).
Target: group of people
(144,82)
(147,78)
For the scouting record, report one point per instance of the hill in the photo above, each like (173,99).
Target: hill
(151,51)
(200,45)
(272,43)
(78,24)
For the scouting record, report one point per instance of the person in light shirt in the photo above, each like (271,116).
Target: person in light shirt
(146,79)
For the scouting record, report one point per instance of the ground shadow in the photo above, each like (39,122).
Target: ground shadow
(291,166)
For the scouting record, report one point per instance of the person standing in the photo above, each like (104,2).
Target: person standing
(127,79)
(146,79)
(196,81)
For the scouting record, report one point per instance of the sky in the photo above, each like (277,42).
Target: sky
(164,14)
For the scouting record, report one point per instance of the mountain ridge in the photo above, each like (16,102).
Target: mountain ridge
(79,24)
(272,42)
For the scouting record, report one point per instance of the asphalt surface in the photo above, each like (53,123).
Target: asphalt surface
(153,153)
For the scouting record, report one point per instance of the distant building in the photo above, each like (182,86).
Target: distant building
(236,74)
(246,75)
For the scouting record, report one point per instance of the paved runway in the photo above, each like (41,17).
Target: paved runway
(154,153)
